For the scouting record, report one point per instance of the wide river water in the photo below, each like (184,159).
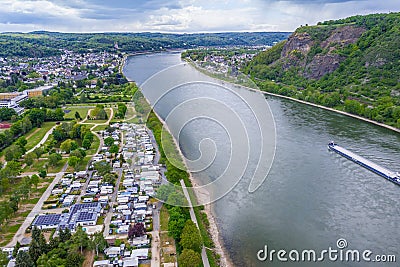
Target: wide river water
(311,197)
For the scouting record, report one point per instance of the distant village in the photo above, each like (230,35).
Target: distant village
(39,75)
(225,60)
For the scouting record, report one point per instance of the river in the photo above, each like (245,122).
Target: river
(311,197)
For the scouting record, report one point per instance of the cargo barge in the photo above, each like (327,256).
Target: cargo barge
(388,174)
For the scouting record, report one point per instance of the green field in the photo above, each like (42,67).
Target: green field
(35,135)
(164,217)
(82,110)
(100,128)
(35,167)
(26,204)
(58,167)
(108,111)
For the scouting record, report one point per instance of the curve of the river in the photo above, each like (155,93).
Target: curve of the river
(312,197)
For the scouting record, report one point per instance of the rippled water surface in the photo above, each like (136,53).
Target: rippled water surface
(312,197)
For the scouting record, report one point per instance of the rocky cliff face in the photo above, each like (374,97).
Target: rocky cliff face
(301,42)
(317,57)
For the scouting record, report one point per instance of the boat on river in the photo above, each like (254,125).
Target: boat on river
(384,172)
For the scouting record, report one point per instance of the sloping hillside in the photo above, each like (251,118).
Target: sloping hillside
(351,64)
(42,43)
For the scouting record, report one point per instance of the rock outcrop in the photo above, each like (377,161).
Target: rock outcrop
(317,58)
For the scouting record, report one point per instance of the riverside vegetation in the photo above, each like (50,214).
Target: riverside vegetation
(189,240)
(349,64)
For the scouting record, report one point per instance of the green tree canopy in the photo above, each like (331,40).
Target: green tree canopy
(189,258)
(190,237)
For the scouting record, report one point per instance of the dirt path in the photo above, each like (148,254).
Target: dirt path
(29,136)
(89,258)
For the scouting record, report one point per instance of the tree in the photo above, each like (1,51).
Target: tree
(38,151)
(67,145)
(42,174)
(164,191)
(35,180)
(54,159)
(36,250)
(13,152)
(78,116)
(177,198)
(109,178)
(3,258)
(29,158)
(88,135)
(65,235)
(137,230)
(73,161)
(37,116)
(26,125)
(99,243)
(58,114)
(16,248)
(102,167)
(12,170)
(189,258)
(80,238)
(74,259)
(109,141)
(101,115)
(79,153)
(59,134)
(114,149)
(177,220)
(7,113)
(86,143)
(21,142)
(190,237)
(24,260)
(14,202)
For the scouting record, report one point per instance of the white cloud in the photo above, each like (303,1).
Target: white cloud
(178,15)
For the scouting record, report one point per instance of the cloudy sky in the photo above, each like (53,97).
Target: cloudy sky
(182,16)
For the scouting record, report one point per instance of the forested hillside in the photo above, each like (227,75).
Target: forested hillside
(42,44)
(351,64)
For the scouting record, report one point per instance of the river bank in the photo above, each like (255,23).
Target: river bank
(200,195)
(193,64)
(203,197)
(298,206)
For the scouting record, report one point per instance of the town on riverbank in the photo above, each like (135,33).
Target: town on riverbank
(86,172)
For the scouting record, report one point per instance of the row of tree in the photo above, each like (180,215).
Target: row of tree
(64,250)
(20,192)
(32,118)
(121,111)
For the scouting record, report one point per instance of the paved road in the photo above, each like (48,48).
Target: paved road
(113,199)
(155,242)
(193,217)
(85,185)
(37,209)
(43,139)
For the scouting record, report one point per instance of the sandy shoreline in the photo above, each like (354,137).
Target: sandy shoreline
(203,197)
(225,260)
